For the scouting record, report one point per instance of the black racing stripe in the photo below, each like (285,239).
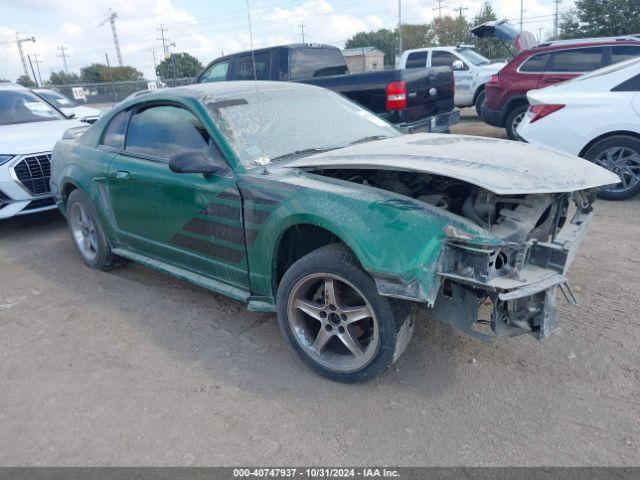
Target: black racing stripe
(229,195)
(256,216)
(222,211)
(221,252)
(228,233)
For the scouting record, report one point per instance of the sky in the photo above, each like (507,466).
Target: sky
(209,28)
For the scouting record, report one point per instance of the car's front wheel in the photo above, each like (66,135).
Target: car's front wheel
(621,155)
(330,311)
(88,234)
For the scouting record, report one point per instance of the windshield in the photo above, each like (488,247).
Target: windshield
(474,57)
(18,106)
(287,123)
(57,99)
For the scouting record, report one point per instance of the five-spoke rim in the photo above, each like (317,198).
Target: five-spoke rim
(333,322)
(625,163)
(84,231)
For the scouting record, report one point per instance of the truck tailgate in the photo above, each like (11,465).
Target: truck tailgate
(429,92)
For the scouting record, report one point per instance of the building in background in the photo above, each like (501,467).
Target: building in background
(364,59)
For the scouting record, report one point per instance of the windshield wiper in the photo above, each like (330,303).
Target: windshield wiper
(304,151)
(368,139)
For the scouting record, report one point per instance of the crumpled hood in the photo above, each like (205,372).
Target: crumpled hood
(34,137)
(500,166)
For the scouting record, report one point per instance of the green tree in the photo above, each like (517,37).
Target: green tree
(63,78)
(601,18)
(417,36)
(179,65)
(384,40)
(99,73)
(489,47)
(25,81)
(451,31)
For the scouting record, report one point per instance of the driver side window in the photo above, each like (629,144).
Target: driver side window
(165,131)
(445,59)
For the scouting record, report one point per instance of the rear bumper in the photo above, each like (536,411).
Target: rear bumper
(495,118)
(439,123)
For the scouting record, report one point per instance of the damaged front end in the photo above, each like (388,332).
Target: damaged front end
(511,285)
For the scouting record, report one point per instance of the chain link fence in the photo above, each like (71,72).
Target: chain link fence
(110,93)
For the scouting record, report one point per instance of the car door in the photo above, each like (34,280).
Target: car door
(189,220)
(567,64)
(464,78)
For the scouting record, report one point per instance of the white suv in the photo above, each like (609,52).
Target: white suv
(29,128)
(470,69)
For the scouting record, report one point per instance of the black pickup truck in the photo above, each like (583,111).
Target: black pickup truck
(415,99)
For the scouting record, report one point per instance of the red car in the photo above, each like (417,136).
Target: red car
(547,64)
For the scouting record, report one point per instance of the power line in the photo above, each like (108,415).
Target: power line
(64,56)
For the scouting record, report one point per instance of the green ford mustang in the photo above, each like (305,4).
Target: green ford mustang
(292,199)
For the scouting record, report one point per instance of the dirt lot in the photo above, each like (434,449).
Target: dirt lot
(132,367)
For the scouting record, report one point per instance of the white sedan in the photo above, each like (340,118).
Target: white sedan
(595,116)
(67,106)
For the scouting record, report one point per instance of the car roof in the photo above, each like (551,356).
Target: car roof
(12,86)
(226,89)
(554,44)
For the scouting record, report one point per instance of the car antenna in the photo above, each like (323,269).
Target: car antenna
(263,159)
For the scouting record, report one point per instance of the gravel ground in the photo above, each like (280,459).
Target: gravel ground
(131,367)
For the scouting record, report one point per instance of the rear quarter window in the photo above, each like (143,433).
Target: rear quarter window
(631,85)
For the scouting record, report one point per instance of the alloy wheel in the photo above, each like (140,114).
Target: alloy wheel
(84,231)
(625,163)
(333,322)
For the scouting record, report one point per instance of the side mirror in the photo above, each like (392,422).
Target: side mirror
(193,161)
(457,65)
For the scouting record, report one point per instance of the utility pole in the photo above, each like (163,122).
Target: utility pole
(113,88)
(33,71)
(460,9)
(556,18)
(111,18)
(37,60)
(301,27)
(521,14)
(64,56)
(440,7)
(540,30)
(165,48)
(20,41)
(399,28)
(155,63)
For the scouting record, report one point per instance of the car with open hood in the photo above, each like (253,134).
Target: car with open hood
(294,200)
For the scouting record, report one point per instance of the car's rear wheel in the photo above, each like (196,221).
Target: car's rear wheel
(479,102)
(330,311)
(88,234)
(513,120)
(619,154)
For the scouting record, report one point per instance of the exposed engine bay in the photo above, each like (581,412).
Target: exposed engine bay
(538,235)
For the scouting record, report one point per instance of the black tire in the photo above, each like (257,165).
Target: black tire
(479,102)
(104,258)
(597,149)
(511,122)
(394,317)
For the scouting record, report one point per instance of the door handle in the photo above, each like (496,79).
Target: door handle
(122,175)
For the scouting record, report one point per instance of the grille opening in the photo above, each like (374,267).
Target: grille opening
(34,173)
